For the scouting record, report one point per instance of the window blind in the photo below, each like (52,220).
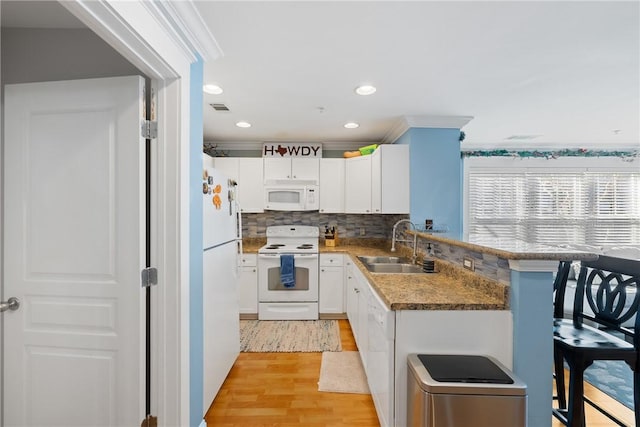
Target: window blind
(579,207)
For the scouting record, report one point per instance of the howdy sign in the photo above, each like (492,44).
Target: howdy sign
(291,150)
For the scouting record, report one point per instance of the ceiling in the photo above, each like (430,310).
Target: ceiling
(527,74)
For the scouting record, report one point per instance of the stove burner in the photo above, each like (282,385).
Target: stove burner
(305,246)
(274,246)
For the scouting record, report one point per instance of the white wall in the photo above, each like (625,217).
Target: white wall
(33,55)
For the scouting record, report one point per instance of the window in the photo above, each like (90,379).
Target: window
(553,201)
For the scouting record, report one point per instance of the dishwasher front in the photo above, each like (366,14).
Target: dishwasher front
(463,391)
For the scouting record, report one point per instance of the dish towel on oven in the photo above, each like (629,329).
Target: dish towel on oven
(287,271)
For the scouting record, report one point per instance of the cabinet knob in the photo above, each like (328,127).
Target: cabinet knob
(322,270)
(254,270)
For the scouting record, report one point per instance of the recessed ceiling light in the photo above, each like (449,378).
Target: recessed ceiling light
(365,90)
(212,89)
(351,125)
(243,124)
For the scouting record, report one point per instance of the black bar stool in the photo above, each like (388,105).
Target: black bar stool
(609,286)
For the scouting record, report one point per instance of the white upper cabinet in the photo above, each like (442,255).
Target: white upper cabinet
(390,179)
(251,189)
(299,168)
(379,182)
(357,196)
(332,185)
(247,171)
(227,165)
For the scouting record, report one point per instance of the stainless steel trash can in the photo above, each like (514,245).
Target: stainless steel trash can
(463,391)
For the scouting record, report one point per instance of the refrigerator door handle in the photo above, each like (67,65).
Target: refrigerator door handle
(238,236)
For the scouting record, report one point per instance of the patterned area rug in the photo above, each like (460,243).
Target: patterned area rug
(614,378)
(342,373)
(273,336)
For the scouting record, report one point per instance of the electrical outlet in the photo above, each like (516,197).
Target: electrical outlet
(468,263)
(362,233)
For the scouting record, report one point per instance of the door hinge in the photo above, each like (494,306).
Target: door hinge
(149,129)
(149,277)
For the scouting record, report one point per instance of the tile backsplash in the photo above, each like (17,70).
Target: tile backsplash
(348,225)
(486,265)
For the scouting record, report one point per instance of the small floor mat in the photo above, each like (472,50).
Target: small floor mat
(342,372)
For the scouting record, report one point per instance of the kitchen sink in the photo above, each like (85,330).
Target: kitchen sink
(383,260)
(389,264)
(394,268)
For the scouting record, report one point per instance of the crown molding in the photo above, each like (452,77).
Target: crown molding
(407,122)
(183,22)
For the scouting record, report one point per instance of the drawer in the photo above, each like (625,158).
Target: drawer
(328,260)
(248,260)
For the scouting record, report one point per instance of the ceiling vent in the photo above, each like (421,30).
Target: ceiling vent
(220,107)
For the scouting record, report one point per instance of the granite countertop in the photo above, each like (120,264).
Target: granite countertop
(514,249)
(449,288)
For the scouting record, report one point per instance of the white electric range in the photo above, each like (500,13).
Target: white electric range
(297,301)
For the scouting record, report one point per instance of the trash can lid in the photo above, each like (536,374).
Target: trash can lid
(464,374)
(463,369)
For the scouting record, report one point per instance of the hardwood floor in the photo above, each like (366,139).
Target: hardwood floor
(281,389)
(593,417)
(269,389)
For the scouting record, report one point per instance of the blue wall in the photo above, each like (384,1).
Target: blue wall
(532,340)
(196,346)
(436,177)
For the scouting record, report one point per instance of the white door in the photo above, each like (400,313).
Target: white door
(73,250)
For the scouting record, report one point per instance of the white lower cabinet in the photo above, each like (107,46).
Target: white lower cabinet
(386,337)
(248,284)
(357,299)
(331,292)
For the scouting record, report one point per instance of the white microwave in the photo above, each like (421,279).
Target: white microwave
(291,198)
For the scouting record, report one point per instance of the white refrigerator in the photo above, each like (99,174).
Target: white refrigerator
(222,242)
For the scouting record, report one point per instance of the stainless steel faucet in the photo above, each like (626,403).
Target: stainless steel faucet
(414,257)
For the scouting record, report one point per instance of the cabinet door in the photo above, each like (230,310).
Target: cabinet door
(248,283)
(248,290)
(394,179)
(250,184)
(277,168)
(352,299)
(358,185)
(305,168)
(331,290)
(376,181)
(363,324)
(227,165)
(332,185)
